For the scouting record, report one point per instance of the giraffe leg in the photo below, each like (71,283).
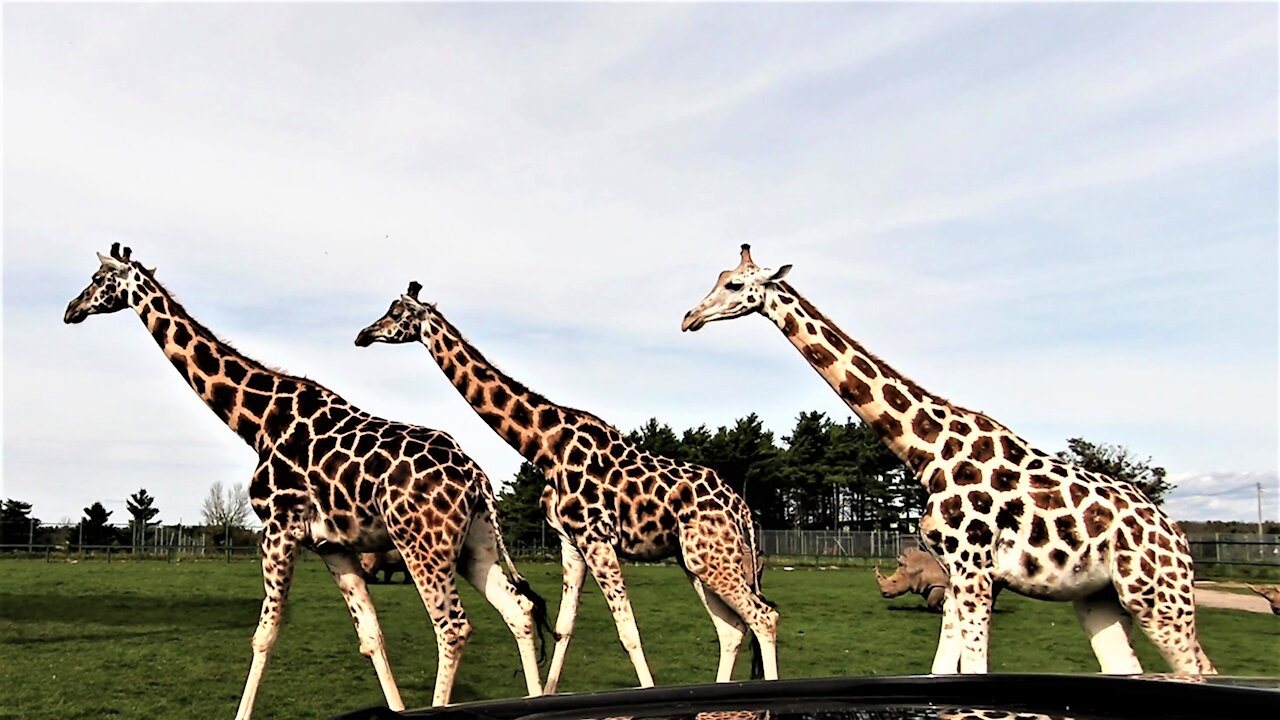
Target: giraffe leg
(345,569)
(575,572)
(1108,627)
(602,561)
(719,567)
(946,660)
(1166,612)
(479,565)
(729,627)
(432,571)
(279,553)
(974,601)
(1206,665)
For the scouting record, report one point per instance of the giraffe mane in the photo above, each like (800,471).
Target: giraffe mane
(883,368)
(516,385)
(200,328)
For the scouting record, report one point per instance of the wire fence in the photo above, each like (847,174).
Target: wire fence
(1220,553)
(114,541)
(1236,550)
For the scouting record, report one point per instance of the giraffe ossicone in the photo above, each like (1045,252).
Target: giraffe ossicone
(608,500)
(339,481)
(1001,513)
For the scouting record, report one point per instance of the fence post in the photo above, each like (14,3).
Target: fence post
(31,537)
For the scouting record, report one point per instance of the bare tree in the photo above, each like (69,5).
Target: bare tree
(226,506)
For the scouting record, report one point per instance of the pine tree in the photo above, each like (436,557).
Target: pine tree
(16,523)
(140,506)
(94,528)
(520,508)
(657,438)
(807,474)
(746,459)
(882,491)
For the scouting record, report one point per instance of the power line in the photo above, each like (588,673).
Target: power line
(1250,486)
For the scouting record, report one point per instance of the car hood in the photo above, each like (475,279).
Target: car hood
(1021,696)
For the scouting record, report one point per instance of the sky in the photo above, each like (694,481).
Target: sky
(1062,215)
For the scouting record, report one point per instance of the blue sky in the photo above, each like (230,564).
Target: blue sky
(1062,215)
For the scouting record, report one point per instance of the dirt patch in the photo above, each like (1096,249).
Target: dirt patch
(1231,600)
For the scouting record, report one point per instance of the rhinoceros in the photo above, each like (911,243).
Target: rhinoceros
(918,572)
(388,563)
(1272,594)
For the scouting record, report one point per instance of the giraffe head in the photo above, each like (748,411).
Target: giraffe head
(109,289)
(737,292)
(403,322)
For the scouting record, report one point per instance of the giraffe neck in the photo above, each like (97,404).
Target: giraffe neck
(237,388)
(910,420)
(527,421)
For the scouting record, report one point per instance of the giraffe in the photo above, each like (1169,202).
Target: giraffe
(338,481)
(1001,513)
(608,500)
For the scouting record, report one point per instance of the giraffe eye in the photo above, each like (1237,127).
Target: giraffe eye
(733,286)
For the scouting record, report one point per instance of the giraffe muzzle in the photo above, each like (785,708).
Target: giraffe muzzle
(691,322)
(74,314)
(365,338)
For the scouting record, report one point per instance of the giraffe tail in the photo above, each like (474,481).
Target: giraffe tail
(518,581)
(757,656)
(757,580)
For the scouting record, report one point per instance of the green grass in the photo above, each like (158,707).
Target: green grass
(152,639)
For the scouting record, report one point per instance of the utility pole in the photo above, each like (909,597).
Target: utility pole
(1259,511)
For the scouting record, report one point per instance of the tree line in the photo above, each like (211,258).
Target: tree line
(824,474)
(225,514)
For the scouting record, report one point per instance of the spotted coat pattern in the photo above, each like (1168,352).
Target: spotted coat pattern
(607,499)
(339,481)
(1001,512)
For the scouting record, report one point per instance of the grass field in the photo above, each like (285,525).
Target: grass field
(153,639)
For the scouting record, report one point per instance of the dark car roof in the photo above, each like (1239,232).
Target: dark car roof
(1077,697)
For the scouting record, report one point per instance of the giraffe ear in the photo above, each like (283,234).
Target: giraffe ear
(110,262)
(779,274)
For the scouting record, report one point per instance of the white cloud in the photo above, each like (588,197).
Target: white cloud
(1224,494)
(1078,237)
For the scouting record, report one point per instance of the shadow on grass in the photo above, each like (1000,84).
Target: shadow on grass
(130,610)
(108,635)
(924,609)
